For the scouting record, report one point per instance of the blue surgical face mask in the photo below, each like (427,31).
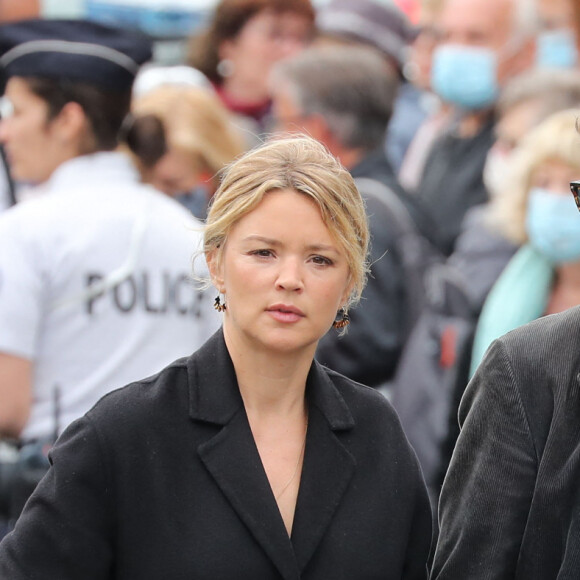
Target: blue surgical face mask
(556,49)
(553,225)
(465,76)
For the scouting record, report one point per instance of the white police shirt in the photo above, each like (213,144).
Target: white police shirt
(5,201)
(96,286)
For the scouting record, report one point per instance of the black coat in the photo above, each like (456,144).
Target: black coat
(452,180)
(162,480)
(510,505)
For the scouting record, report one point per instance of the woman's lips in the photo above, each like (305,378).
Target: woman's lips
(285,313)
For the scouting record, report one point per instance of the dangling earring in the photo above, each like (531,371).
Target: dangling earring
(342,319)
(225,68)
(218,304)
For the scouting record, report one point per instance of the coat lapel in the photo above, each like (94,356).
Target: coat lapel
(328,465)
(231,455)
(233,460)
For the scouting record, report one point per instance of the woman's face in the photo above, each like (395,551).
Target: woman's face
(174,173)
(33,144)
(554,176)
(265,39)
(282,274)
(551,217)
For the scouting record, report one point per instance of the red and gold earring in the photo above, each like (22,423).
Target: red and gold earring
(342,319)
(218,304)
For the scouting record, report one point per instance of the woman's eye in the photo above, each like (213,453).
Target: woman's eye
(261,253)
(322,260)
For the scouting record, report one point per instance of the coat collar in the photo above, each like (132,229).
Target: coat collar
(233,460)
(214,396)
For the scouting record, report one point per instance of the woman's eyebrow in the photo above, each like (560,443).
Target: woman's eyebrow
(273,242)
(321,248)
(263,239)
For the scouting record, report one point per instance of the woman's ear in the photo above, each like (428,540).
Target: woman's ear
(215,267)
(347,292)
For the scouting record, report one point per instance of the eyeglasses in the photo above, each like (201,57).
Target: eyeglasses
(575,189)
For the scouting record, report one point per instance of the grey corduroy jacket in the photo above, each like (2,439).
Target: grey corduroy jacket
(510,505)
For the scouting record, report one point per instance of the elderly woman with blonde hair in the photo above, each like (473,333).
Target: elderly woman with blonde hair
(536,212)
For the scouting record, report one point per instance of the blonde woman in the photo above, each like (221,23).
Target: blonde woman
(184,137)
(248,459)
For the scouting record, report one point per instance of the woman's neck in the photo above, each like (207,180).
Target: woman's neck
(242,97)
(270,383)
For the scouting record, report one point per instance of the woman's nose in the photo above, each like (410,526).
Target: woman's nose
(290,275)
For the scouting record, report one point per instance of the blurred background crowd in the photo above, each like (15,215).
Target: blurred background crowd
(457,119)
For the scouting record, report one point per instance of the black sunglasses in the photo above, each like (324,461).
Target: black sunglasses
(575,189)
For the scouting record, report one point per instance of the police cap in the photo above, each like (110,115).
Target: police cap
(76,50)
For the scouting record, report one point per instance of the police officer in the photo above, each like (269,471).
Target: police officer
(95,273)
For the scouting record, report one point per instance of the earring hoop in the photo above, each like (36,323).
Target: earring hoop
(342,319)
(218,304)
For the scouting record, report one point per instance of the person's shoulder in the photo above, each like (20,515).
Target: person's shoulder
(545,352)
(377,433)
(30,221)
(547,334)
(29,208)
(156,397)
(361,399)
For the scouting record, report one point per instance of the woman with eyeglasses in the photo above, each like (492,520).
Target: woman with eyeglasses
(510,504)
(238,48)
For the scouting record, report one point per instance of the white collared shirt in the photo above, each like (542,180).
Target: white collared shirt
(96,287)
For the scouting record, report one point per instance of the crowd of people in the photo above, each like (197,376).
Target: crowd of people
(305,305)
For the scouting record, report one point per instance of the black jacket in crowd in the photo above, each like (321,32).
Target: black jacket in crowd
(452,181)
(369,352)
(162,479)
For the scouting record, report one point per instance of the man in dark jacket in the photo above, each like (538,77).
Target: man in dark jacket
(485,43)
(344,98)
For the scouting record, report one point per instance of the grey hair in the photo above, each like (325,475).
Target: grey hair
(352,88)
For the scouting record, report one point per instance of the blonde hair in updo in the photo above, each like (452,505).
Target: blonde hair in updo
(305,166)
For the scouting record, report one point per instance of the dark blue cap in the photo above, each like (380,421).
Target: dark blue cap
(76,50)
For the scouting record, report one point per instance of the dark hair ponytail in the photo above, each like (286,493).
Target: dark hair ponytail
(145,137)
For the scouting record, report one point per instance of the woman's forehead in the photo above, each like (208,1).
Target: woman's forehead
(284,211)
